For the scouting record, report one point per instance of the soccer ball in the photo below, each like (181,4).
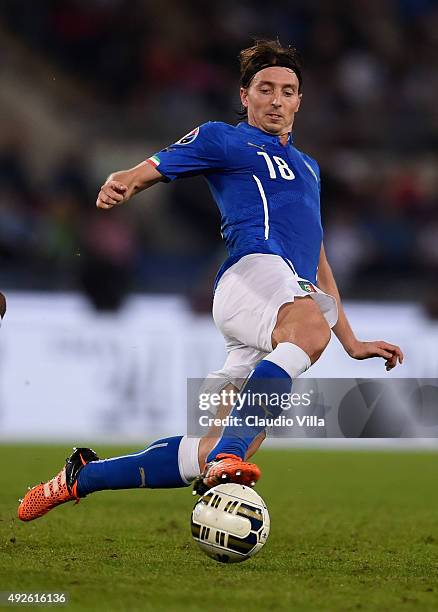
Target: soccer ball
(230,523)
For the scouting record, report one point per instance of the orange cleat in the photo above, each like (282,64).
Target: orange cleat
(226,468)
(60,489)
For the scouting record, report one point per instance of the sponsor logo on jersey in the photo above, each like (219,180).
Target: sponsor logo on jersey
(252,144)
(188,138)
(307,286)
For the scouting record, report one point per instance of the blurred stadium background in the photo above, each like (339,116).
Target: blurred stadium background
(104,309)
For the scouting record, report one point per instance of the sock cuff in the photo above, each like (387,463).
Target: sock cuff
(188,461)
(291,358)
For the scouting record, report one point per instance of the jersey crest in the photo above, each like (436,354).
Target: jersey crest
(188,138)
(307,286)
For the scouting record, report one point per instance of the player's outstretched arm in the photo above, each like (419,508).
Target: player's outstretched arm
(121,186)
(354,347)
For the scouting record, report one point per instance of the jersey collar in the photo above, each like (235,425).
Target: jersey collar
(260,134)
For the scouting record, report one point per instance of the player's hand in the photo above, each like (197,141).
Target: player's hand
(379,348)
(112,193)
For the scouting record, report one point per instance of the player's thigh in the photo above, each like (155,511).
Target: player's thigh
(250,295)
(302,323)
(245,298)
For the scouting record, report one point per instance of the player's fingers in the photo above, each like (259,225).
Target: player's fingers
(389,347)
(116,186)
(380,352)
(395,350)
(391,363)
(109,198)
(397,355)
(112,193)
(101,204)
(119,187)
(400,355)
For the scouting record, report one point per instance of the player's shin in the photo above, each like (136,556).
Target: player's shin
(257,401)
(166,463)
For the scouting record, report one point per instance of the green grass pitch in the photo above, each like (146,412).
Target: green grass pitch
(349,531)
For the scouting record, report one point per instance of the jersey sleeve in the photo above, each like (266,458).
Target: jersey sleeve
(197,152)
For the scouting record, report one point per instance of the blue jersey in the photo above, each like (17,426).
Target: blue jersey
(267,193)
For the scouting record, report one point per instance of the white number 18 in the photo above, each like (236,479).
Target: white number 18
(285,171)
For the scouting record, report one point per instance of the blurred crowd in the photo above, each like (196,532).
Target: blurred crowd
(370,67)
(53,237)
(369,117)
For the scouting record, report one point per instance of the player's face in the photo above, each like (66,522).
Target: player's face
(272,99)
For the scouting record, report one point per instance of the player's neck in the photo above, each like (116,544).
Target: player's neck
(284,138)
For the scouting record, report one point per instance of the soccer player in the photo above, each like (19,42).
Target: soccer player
(275,298)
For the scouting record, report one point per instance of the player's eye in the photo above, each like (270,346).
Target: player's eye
(265,90)
(288,93)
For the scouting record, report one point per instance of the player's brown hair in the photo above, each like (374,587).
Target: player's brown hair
(266,53)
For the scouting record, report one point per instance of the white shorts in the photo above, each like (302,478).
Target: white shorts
(245,307)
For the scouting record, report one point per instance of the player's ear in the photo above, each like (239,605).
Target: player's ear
(244,97)
(299,102)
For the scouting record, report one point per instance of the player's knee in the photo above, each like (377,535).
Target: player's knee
(234,375)
(313,338)
(318,339)
(312,333)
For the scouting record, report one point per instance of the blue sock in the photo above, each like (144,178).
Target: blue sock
(267,378)
(155,467)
